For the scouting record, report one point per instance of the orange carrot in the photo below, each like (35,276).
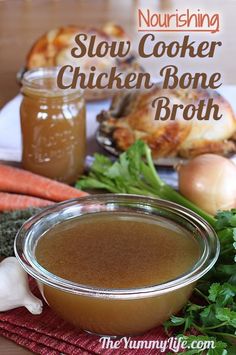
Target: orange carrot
(11,202)
(24,182)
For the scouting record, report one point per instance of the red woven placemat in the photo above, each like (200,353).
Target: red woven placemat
(48,334)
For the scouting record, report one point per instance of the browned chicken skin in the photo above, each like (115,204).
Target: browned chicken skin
(131,117)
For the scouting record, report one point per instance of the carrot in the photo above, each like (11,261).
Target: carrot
(24,182)
(11,202)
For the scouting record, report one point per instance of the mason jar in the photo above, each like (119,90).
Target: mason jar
(53,126)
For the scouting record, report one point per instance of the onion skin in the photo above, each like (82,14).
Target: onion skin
(209,181)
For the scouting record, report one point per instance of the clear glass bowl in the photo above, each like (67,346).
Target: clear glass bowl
(116,311)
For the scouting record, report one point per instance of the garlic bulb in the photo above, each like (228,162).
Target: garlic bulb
(14,288)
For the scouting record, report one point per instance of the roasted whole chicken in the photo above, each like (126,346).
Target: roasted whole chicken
(131,117)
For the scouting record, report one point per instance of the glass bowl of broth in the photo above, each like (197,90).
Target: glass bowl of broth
(116,264)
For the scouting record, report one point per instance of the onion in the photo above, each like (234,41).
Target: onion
(209,181)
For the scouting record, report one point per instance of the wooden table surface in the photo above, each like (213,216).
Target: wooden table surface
(23,21)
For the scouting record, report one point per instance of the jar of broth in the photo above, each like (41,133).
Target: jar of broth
(53,126)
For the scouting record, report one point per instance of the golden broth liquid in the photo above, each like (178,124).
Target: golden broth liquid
(53,130)
(116,250)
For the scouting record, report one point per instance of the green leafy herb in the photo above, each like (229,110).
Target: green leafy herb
(133,173)
(222,294)
(215,314)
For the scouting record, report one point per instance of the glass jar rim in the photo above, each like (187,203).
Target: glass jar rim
(24,245)
(31,86)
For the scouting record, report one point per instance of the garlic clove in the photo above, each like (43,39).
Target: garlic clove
(33,304)
(14,288)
